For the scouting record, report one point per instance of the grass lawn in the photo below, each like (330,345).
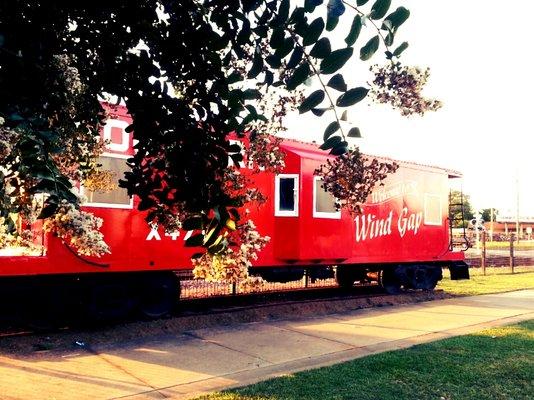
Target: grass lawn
(522,245)
(493,364)
(496,280)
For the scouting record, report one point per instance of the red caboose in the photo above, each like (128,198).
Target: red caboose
(402,238)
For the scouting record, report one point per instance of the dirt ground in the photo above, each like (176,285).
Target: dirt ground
(100,336)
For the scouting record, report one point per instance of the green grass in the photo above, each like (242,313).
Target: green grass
(496,280)
(493,364)
(522,245)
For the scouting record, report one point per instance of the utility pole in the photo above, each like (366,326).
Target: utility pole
(491,224)
(517,206)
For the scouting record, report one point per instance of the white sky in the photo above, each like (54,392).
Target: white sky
(479,55)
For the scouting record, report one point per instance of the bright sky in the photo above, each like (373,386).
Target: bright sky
(479,55)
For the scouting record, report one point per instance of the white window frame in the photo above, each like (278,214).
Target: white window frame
(296,194)
(124,145)
(322,214)
(427,222)
(109,205)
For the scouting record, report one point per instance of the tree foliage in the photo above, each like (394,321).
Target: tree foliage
(189,72)
(459,201)
(489,214)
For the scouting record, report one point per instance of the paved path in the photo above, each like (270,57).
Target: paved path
(184,365)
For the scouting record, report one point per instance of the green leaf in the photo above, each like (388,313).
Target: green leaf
(285,48)
(339,149)
(335,8)
(298,77)
(257,65)
(41,172)
(237,158)
(195,240)
(397,18)
(220,213)
(295,58)
(330,130)
(297,16)
(251,94)
(351,97)
(211,236)
(354,132)
(277,38)
(331,22)
(313,100)
(355,29)
(398,51)
(336,60)
(15,117)
(321,49)
(48,211)
(283,13)
(217,248)
(233,78)
(146,204)
(319,111)
(274,61)
(269,78)
(361,2)
(379,8)
(313,32)
(390,37)
(370,48)
(192,223)
(309,5)
(330,142)
(337,82)
(234,213)
(234,147)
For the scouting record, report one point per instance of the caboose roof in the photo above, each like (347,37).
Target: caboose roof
(312,151)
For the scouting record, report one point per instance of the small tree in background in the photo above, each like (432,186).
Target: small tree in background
(487,214)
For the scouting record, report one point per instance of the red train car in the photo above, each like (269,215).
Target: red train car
(402,238)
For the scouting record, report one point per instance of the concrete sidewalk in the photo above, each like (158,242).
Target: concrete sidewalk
(188,364)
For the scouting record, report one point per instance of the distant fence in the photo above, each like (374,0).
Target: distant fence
(505,252)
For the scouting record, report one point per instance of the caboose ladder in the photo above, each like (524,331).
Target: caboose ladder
(457,215)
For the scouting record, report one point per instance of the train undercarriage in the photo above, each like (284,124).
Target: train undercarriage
(110,296)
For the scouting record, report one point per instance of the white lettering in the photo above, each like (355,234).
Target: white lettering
(361,233)
(188,235)
(153,234)
(174,235)
(410,222)
(370,226)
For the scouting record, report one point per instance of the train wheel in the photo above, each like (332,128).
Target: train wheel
(159,294)
(344,277)
(110,300)
(389,281)
(431,277)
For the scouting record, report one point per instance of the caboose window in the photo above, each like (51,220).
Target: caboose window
(324,204)
(432,210)
(117,197)
(286,195)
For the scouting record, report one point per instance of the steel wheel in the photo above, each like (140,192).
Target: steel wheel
(389,281)
(159,294)
(344,277)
